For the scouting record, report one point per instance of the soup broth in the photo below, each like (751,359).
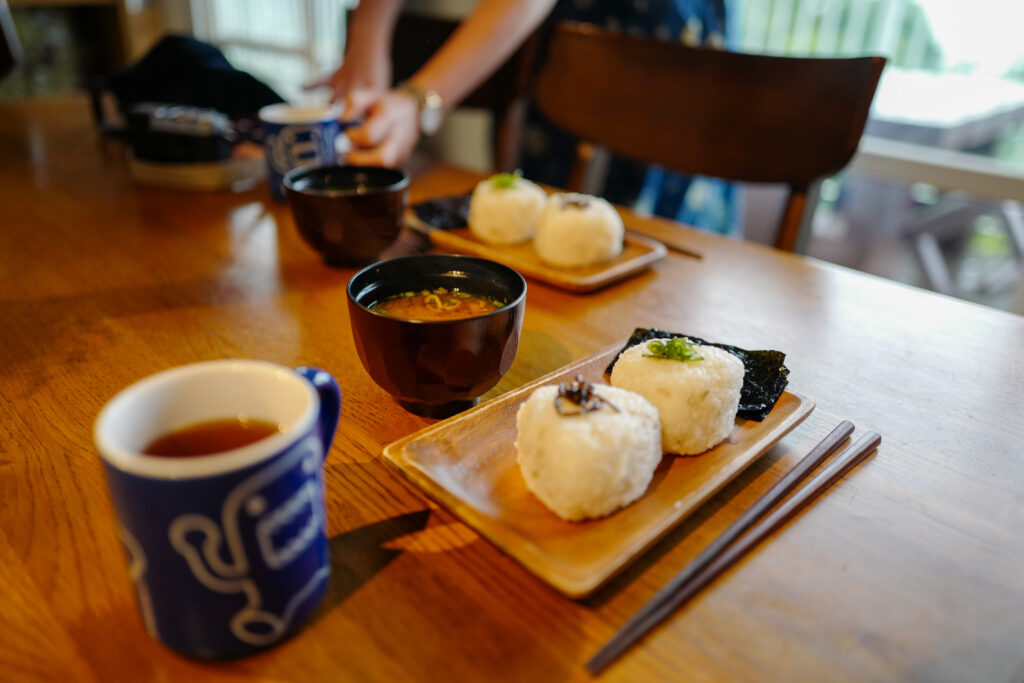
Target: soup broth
(206,438)
(437,304)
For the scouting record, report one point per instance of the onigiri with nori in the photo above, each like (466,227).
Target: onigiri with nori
(576,230)
(586,450)
(504,209)
(695,388)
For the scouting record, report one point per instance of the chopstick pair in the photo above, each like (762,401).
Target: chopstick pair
(722,553)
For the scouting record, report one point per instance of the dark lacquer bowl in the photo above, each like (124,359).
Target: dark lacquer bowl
(436,368)
(348,214)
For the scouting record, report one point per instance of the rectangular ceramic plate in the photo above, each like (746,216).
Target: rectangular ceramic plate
(638,253)
(467,463)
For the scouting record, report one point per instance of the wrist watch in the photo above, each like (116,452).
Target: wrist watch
(429,103)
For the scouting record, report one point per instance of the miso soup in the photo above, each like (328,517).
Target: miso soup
(436,304)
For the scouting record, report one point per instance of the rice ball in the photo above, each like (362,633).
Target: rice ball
(504,209)
(590,464)
(697,400)
(578,230)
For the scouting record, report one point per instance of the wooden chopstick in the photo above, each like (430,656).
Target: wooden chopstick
(718,557)
(669,244)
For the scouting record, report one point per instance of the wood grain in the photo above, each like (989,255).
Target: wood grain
(909,569)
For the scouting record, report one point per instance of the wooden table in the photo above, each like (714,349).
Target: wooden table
(910,569)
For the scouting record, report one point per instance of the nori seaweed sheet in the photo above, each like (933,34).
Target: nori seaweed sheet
(446,213)
(765,373)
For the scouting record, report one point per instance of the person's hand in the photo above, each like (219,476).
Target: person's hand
(389,133)
(358,83)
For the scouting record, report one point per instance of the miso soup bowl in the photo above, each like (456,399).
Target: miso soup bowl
(349,214)
(441,367)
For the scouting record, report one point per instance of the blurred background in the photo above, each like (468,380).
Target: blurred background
(932,199)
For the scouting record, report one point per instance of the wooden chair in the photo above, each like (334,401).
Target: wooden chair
(735,116)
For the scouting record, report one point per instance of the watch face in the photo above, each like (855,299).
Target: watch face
(430,120)
(430,113)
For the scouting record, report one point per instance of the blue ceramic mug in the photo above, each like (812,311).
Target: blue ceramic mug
(295,136)
(228,551)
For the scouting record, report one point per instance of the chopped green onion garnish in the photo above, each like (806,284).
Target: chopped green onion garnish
(673,349)
(506,181)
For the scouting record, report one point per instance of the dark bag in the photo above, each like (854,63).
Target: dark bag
(182,102)
(186,71)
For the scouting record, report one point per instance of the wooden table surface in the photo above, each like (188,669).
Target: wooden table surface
(912,568)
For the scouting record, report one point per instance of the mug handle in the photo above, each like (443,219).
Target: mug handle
(330,402)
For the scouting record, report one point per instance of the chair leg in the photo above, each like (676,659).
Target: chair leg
(933,263)
(597,171)
(1013,215)
(798,218)
(792,218)
(584,154)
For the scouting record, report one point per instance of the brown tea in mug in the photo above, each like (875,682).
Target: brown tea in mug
(206,438)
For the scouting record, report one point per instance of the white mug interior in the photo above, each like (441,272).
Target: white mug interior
(288,114)
(201,392)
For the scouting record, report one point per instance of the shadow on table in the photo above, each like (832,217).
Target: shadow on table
(684,530)
(358,555)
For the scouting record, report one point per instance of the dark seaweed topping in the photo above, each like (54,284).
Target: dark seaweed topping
(764,379)
(581,393)
(446,213)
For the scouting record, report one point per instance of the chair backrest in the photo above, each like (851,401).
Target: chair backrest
(735,116)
